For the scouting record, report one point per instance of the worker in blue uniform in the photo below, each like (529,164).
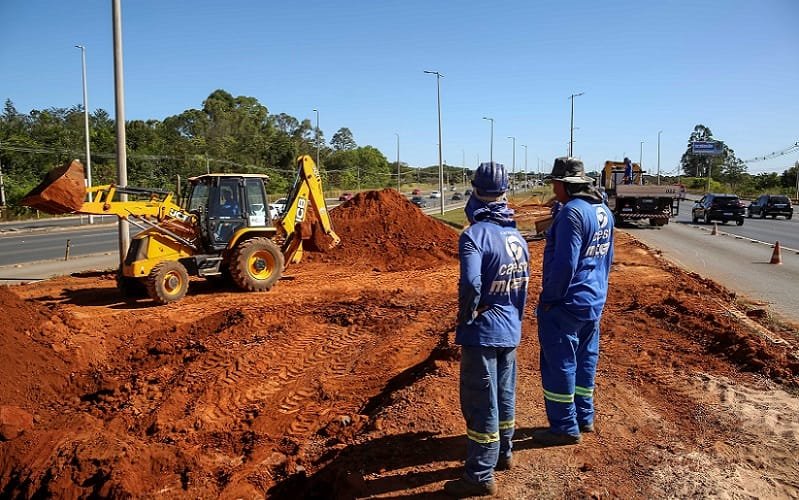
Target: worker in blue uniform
(492,291)
(577,259)
(628,171)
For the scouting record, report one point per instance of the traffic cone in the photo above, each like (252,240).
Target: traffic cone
(715,230)
(776,256)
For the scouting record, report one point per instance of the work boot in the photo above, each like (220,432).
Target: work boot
(463,488)
(549,438)
(504,463)
(584,428)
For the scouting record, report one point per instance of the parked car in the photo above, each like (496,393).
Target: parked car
(345,197)
(457,197)
(416,191)
(720,207)
(419,201)
(771,205)
(435,194)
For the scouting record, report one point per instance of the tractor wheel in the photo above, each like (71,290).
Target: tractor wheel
(167,282)
(130,288)
(256,264)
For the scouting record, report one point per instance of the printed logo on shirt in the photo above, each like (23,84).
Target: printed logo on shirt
(601,217)
(600,244)
(511,276)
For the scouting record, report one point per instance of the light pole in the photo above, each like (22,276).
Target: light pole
(491,147)
(641,160)
(571,125)
(317,137)
(659,132)
(86,124)
(513,176)
(398,163)
(525,165)
(440,164)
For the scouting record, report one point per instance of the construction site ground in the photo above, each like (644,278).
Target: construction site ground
(342,382)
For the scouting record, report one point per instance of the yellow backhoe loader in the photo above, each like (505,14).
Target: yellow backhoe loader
(223,230)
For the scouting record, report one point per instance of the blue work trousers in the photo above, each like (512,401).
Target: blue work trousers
(488,403)
(569,355)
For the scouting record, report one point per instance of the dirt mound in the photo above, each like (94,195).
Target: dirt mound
(386,232)
(31,336)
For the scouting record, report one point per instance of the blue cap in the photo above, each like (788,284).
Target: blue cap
(490,179)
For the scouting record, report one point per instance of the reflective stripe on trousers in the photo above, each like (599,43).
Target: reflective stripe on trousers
(488,401)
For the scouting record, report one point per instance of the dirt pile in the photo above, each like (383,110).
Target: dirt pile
(384,231)
(342,382)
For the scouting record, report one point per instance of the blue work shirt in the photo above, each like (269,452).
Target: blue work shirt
(577,258)
(494,262)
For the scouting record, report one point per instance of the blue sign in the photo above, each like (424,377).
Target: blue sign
(710,148)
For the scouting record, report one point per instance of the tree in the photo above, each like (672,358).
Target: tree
(699,165)
(733,170)
(342,140)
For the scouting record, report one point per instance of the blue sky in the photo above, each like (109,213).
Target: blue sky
(644,66)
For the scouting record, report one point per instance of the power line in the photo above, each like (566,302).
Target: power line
(775,154)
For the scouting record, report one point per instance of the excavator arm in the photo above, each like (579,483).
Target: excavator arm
(306,195)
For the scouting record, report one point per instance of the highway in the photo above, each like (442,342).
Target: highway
(737,257)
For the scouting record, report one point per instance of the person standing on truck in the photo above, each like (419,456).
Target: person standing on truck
(492,292)
(577,259)
(628,171)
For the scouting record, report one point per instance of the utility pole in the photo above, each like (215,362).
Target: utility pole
(571,126)
(2,189)
(86,125)
(659,132)
(398,164)
(119,100)
(317,137)
(491,143)
(525,165)
(513,177)
(440,164)
(796,166)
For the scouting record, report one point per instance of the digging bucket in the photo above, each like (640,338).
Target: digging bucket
(62,191)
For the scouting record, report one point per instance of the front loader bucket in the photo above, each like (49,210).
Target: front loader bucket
(62,191)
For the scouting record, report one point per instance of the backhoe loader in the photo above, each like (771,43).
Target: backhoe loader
(223,230)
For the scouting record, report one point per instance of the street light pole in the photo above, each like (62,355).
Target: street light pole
(317,137)
(641,159)
(659,132)
(491,147)
(571,125)
(86,124)
(513,176)
(440,163)
(398,163)
(525,164)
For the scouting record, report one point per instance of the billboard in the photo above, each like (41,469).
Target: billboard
(707,148)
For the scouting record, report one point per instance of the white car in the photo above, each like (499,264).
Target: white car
(435,194)
(277,208)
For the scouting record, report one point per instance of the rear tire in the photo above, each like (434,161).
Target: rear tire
(740,221)
(256,264)
(788,217)
(167,282)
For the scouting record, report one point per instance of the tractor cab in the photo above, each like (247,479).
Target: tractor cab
(225,203)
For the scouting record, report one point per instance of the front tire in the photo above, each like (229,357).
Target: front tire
(707,218)
(740,221)
(256,264)
(168,282)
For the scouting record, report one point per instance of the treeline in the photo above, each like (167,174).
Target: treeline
(228,134)
(729,173)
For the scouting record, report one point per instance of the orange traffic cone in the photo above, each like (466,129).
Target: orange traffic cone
(776,256)
(715,230)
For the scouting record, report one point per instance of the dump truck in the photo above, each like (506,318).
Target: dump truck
(223,231)
(638,201)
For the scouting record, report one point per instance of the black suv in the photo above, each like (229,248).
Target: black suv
(419,201)
(721,207)
(771,204)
